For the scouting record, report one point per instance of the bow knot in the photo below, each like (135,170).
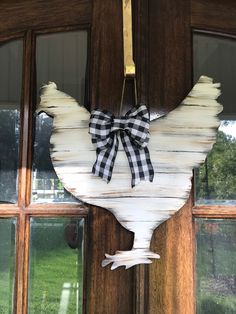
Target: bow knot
(133,129)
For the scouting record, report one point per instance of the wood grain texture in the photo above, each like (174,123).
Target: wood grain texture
(26,264)
(24,15)
(107,68)
(20,262)
(169,52)
(24,187)
(107,291)
(141,285)
(188,131)
(214,15)
(214,211)
(171,290)
(171,278)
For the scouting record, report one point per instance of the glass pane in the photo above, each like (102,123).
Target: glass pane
(10,97)
(61,58)
(216,267)
(7,264)
(216,179)
(56,266)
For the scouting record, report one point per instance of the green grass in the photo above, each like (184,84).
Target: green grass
(215,304)
(49,272)
(219,261)
(5,293)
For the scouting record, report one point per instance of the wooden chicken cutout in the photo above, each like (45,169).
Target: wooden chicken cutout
(178,143)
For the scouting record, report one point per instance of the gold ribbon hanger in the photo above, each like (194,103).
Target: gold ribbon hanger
(129,65)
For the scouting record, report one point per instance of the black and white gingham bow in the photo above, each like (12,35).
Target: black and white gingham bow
(133,129)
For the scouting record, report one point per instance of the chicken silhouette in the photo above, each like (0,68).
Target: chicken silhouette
(178,143)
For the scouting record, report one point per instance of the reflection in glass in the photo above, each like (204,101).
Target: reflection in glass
(216,267)
(60,58)
(7,264)
(56,266)
(46,185)
(216,57)
(10,96)
(216,179)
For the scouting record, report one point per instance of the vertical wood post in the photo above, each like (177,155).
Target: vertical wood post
(171,279)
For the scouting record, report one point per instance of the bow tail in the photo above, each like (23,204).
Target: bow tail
(105,160)
(139,160)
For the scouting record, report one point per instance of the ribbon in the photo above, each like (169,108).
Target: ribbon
(133,129)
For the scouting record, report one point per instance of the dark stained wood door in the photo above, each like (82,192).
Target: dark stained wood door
(171,282)
(163,56)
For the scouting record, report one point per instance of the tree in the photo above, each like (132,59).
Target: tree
(216,179)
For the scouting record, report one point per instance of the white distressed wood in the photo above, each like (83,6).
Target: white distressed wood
(179,142)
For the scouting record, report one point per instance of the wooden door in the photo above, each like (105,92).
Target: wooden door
(163,55)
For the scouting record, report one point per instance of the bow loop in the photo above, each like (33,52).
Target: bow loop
(100,123)
(138,125)
(133,129)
